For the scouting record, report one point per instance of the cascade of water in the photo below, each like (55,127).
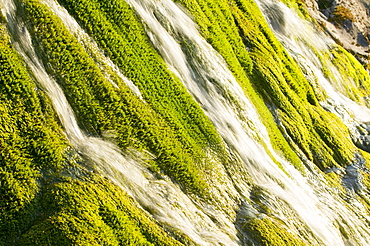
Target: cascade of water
(304,42)
(167,203)
(298,36)
(207,78)
(84,144)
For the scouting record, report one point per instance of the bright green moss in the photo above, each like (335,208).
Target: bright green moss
(334,181)
(47,196)
(224,33)
(44,201)
(364,194)
(30,142)
(267,232)
(355,80)
(124,39)
(92,212)
(170,124)
(345,73)
(281,82)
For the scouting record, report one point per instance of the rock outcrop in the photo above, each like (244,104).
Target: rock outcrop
(348,22)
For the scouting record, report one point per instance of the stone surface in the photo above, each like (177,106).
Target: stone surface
(348,22)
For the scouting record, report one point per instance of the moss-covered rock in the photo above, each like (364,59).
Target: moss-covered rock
(267,232)
(47,195)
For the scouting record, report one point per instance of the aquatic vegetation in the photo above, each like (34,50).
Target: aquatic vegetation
(192,168)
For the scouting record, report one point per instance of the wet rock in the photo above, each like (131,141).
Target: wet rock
(363,142)
(361,40)
(336,170)
(361,136)
(352,179)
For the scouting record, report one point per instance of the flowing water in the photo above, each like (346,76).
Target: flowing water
(206,76)
(303,42)
(167,203)
(298,36)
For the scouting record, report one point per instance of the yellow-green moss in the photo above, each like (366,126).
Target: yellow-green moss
(354,81)
(277,79)
(47,196)
(364,195)
(334,180)
(44,201)
(223,31)
(92,212)
(345,73)
(169,123)
(280,81)
(266,232)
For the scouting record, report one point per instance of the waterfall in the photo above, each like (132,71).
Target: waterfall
(298,36)
(165,200)
(208,79)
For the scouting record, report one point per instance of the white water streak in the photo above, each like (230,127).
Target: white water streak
(90,45)
(206,76)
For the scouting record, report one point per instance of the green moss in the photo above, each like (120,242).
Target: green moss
(30,142)
(129,46)
(276,78)
(345,73)
(366,177)
(334,180)
(354,81)
(169,123)
(47,196)
(268,232)
(44,200)
(281,82)
(218,23)
(92,212)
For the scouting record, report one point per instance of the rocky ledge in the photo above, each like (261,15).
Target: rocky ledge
(348,22)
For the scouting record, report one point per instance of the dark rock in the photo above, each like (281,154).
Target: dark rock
(361,40)
(352,179)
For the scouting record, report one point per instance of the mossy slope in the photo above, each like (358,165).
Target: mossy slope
(273,75)
(169,123)
(44,198)
(47,195)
